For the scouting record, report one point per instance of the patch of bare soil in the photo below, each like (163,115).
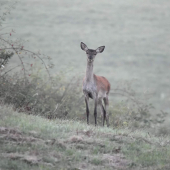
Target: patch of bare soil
(15,136)
(116,160)
(31,159)
(84,141)
(75,139)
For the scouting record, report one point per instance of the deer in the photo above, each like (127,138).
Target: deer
(95,87)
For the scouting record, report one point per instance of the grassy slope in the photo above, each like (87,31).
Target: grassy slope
(32,142)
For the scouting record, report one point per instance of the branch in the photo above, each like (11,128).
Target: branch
(16,53)
(40,59)
(10,70)
(21,48)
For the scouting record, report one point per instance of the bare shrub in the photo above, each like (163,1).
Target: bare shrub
(134,109)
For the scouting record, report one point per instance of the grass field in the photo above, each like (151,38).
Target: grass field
(136,36)
(135,33)
(32,142)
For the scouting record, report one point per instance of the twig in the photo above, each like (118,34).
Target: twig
(40,59)
(55,109)
(16,53)
(9,70)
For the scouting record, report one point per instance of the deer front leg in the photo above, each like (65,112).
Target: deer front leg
(95,111)
(87,108)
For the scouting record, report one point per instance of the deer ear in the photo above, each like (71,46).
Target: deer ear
(100,49)
(83,46)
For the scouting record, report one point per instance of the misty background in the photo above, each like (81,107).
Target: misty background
(135,33)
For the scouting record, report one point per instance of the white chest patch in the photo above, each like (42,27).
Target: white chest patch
(89,88)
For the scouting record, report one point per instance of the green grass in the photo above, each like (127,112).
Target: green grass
(33,142)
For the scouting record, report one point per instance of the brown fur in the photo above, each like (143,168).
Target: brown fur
(102,83)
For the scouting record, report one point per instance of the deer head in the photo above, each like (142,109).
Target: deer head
(91,54)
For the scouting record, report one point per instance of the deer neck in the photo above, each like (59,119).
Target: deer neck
(89,72)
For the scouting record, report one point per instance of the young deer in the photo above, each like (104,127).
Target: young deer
(95,87)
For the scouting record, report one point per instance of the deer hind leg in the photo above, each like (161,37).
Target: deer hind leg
(106,103)
(87,108)
(103,112)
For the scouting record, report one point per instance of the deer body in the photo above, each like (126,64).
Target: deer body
(95,87)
